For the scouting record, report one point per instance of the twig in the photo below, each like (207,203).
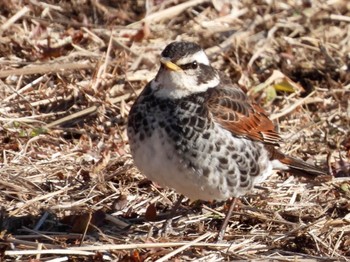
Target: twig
(124,97)
(26,87)
(71,117)
(169,13)
(37,199)
(294,106)
(49,251)
(149,245)
(88,250)
(176,251)
(101,72)
(41,221)
(45,68)
(343,18)
(15,17)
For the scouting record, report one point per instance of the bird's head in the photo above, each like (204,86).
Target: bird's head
(185,69)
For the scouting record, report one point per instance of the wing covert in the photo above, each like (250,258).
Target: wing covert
(231,108)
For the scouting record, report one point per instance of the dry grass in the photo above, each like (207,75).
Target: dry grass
(70,71)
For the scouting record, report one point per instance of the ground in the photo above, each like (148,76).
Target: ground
(70,71)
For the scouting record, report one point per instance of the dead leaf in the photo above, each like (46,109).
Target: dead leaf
(151,213)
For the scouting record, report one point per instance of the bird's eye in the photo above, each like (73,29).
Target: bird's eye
(193,65)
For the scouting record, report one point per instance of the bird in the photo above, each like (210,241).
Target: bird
(195,132)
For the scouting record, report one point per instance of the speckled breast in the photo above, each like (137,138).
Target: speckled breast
(177,144)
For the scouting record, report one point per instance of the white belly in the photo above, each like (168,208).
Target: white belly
(156,157)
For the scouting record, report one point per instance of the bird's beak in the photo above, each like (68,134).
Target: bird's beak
(170,65)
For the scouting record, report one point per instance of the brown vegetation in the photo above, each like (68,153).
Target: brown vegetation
(69,72)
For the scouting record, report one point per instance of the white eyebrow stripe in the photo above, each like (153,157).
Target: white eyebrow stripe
(200,57)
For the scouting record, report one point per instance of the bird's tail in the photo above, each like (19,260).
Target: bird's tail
(295,164)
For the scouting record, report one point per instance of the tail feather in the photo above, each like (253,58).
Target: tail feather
(300,165)
(295,164)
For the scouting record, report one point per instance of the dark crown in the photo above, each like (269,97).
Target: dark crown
(176,50)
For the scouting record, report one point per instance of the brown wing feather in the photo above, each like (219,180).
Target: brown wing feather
(231,108)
